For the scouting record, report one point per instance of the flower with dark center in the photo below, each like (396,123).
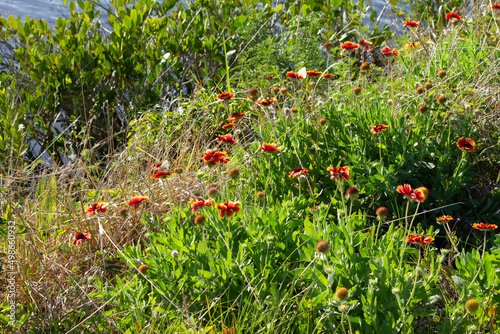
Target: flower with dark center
(225,96)
(466,144)
(97,207)
(80,237)
(378,128)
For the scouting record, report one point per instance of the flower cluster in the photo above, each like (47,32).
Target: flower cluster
(419,195)
(419,239)
(340,173)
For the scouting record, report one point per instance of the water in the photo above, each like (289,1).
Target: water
(50,10)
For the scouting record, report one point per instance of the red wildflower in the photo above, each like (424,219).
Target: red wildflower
(466,144)
(453,16)
(225,96)
(313,73)
(136,200)
(366,44)
(161,174)
(215,157)
(266,102)
(298,171)
(294,75)
(378,128)
(419,194)
(269,77)
(419,239)
(495,6)
(195,204)
(101,206)
(444,219)
(238,114)
(388,52)
(80,237)
(484,227)
(228,208)
(412,24)
(272,147)
(227,139)
(228,125)
(329,76)
(340,173)
(349,46)
(327,46)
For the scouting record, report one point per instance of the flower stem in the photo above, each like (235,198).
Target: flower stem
(481,262)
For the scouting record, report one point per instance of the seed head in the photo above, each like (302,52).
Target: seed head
(260,194)
(143,268)
(342,293)
(294,110)
(441,99)
(441,73)
(365,66)
(422,108)
(302,179)
(233,173)
(199,220)
(322,246)
(356,90)
(175,253)
(312,85)
(212,191)
(322,121)
(472,305)
(382,213)
(253,92)
(123,211)
(275,90)
(283,90)
(428,85)
(351,192)
(420,90)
